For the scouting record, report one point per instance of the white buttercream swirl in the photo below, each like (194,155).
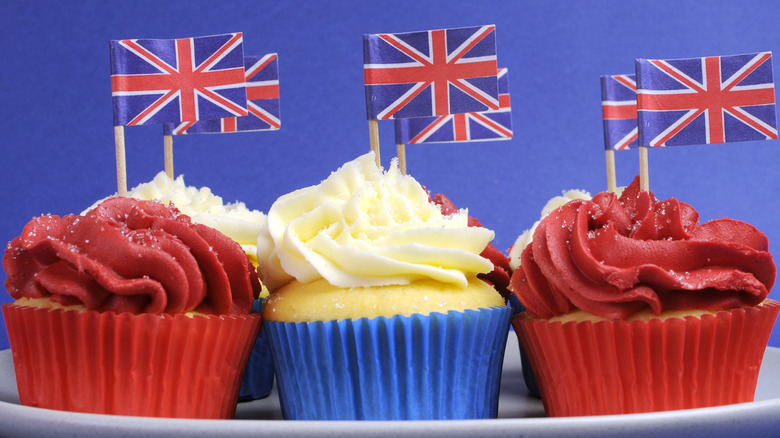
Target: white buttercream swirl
(365,227)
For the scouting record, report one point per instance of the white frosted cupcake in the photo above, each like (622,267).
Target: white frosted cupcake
(376,311)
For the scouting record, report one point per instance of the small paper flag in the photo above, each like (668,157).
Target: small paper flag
(714,99)
(475,126)
(262,90)
(618,108)
(430,73)
(188,79)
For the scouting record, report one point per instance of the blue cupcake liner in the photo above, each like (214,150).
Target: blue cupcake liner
(419,367)
(528,373)
(259,373)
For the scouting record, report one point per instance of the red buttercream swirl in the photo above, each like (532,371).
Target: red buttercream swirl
(134,256)
(615,256)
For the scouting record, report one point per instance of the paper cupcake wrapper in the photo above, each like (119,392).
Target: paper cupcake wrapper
(515,304)
(258,378)
(528,373)
(439,366)
(617,367)
(124,364)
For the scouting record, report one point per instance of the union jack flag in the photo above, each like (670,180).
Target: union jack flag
(262,93)
(474,126)
(430,73)
(187,79)
(618,109)
(714,99)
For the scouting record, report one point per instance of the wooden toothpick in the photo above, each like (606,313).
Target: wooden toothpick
(121,165)
(401,148)
(644,171)
(373,135)
(168,150)
(611,174)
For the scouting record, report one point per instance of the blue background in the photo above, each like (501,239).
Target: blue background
(56,116)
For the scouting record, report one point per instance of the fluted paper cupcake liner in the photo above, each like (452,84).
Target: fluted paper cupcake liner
(618,367)
(125,364)
(259,375)
(439,366)
(528,372)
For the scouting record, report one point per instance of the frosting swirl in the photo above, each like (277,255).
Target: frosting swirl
(499,276)
(527,236)
(613,257)
(235,220)
(365,227)
(135,256)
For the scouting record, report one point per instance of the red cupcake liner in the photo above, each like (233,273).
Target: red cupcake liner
(618,367)
(125,364)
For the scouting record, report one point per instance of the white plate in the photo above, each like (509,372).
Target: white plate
(519,414)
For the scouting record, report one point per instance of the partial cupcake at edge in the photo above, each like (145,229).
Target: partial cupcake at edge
(631,305)
(130,309)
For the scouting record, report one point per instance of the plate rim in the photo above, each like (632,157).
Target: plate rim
(758,416)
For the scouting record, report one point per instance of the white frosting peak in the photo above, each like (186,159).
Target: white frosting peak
(365,227)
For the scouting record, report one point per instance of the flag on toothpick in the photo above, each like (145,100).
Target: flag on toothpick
(714,99)
(157,81)
(430,73)
(262,91)
(618,108)
(473,126)
(175,80)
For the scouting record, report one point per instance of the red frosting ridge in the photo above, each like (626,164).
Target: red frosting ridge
(132,256)
(615,256)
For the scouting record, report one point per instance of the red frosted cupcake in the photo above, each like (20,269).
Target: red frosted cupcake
(633,306)
(129,310)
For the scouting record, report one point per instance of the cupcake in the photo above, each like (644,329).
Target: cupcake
(239,223)
(376,311)
(131,309)
(514,262)
(633,306)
